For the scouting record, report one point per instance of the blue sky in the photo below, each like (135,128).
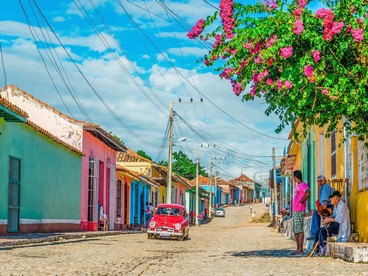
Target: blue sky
(146,62)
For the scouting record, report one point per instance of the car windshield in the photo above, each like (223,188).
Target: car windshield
(169,211)
(220,209)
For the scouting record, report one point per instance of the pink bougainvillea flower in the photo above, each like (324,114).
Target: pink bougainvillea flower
(271,41)
(255,78)
(256,48)
(253,91)
(237,88)
(288,84)
(286,52)
(298,13)
(270,5)
(324,91)
(233,51)
(357,34)
(258,59)
(323,12)
(269,81)
(226,14)
(279,84)
(308,70)
(330,28)
(196,30)
(316,55)
(302,3)
(298,27)
(226,73)
(337,27)
(248,45)
(258,77)
(218,41)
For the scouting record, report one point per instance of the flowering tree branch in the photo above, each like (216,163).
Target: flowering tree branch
(306,65)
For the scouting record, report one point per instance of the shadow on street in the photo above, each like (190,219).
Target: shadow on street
(272,253)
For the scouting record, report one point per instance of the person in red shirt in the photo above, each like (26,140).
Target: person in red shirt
(191,217)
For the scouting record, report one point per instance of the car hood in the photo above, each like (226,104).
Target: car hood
(168,220)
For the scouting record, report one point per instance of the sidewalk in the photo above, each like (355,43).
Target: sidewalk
(30,238)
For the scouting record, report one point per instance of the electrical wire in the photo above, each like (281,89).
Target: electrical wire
(3,64)
(108,108)
(203,95)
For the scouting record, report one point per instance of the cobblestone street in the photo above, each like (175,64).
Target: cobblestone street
(226,246)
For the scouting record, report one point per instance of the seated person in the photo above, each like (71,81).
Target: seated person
(322,203)
(200,218)
(338,223)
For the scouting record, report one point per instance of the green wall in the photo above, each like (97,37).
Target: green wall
(309,167)
(50,184)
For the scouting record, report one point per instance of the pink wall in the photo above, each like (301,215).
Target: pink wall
(180,189)
(100,151)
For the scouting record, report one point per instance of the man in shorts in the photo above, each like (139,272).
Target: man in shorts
(301,195)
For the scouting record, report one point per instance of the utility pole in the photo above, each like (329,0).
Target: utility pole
(197,191)
(216,193)
(169,165)
(210,203)
(275,180)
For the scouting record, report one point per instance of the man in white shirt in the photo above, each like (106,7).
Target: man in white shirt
(338,223)
(340,215)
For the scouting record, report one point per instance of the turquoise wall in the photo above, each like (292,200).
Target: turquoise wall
(309,169)
(50,174)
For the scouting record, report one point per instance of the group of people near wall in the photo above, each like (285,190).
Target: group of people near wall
(331,216)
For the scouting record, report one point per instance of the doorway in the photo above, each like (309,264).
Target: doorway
(14,195)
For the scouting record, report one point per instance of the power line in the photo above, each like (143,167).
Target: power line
(203,95)
(3,65)
(108,108)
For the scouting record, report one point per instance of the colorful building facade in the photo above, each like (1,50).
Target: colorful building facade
(36,193)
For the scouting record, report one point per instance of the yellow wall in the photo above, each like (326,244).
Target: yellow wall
(298,160)
(340,154)
(361,215)
(358,200)
(161,194)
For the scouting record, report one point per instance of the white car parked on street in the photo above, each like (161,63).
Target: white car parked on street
(220,212)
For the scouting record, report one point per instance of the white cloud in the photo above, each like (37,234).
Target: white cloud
(58,19)
(86,4)
(188,51)
(181,35)
(163,57)
(93,42)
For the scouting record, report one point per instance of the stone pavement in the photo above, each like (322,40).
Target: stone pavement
(225,246)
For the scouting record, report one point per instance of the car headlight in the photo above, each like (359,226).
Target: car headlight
(152,224)
(177,226)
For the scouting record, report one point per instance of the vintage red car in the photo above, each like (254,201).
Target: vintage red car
(169,220)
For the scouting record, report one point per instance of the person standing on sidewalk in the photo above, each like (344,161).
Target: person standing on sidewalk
(301,195)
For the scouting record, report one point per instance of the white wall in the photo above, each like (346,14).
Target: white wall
(59,125)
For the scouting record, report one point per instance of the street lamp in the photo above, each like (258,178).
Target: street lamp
(169,167)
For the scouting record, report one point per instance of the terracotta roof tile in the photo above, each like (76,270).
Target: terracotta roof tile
(13,107)
(130,156)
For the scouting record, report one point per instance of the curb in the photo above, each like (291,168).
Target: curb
(62,237)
